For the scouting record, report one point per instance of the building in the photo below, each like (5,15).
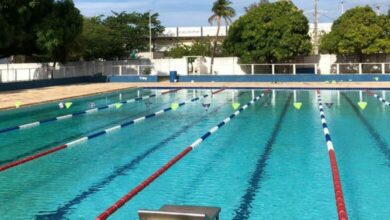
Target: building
(186,35)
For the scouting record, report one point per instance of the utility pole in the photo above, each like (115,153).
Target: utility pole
(342,7)
(150,35)
(316,47)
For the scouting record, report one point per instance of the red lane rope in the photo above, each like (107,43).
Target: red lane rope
(33,157)
(142,186)
(170,91)
(341,210)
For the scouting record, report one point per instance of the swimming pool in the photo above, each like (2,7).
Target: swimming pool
(270,162)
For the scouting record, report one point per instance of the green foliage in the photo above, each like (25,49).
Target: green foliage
(118,35)
(132,29)
(19,22)
(269,33)
(198,48)
(99,41)
(58,31)
(359,31)
(52,30)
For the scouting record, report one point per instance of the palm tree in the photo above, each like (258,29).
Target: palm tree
(222,10)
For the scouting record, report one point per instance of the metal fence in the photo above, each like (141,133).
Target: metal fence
(360,68)
(43,71)
(274,69)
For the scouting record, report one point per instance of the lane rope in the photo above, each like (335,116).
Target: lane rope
(97,134)
(107,213)
(89,111)
(380,98)
(341,210)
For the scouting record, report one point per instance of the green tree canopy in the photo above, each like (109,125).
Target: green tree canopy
(203,47)
(43,28)
(58,31)
(359,31)
(99,41)
(19,22)
(269,33)
(133,29)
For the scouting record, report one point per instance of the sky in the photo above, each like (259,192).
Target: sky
(196,12)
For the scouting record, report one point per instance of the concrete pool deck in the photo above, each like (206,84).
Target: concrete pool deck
(30,97)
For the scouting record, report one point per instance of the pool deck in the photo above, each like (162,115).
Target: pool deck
(30,97)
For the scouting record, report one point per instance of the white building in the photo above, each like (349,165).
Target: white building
(186,35)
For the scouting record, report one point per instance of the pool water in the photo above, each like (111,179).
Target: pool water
(270,162)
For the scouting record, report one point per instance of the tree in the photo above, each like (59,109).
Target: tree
(59,30)
(99,41)
(203,47)
(221,10)
(254,5)
(133,29)
(19,22)
(359,31)
(269,33)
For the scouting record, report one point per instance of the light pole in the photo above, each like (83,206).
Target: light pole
(150,35)
(316,48)
(342,7)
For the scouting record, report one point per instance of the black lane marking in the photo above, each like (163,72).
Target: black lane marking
(61,212)
(380,143)
(244,210)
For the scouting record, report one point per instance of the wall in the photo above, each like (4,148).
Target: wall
(52,82)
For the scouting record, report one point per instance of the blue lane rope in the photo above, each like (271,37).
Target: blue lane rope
(63,117)
(97,134)
(130,195)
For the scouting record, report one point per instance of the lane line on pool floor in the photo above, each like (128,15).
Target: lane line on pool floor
(76,136)
(381,99)
(85,112)
(99,133)
(173,161)
(380,142)
(243,211)
(64,209)
(340,204)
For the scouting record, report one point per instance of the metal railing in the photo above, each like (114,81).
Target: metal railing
(279,68)
(132,70)
(360,68)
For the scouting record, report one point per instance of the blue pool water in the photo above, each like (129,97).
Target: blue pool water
(270,162)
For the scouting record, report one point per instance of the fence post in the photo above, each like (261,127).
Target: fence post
(29,74)
(316,69)
(383,68)
(273,69)
(120,70)
(294,69)
(16,75)
(139,70)
(253,69)
(337,68)
(360,69)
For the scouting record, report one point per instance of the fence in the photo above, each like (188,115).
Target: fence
(34,71)
(296,68)
(223,66)
(360,68)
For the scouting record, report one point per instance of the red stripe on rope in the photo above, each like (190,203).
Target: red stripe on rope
(341,210)
(218,91)
(170,91)
(30,158)
(142,186)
